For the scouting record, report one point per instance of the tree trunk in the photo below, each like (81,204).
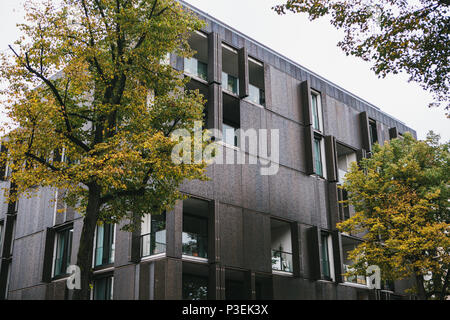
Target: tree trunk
(420,288)
(85,251)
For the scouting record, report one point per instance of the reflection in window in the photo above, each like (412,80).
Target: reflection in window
(153,235)
(63,251)
(318,156)
(105,246)
(195,236)
(195,287)
(103,288)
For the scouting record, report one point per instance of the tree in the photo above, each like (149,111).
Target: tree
(395,35)
(95,108)
(400,196)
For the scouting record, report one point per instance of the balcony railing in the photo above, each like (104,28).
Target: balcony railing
(196,68)
(230,83)
(195,245)
(256,95)
(150,244)
(282,261)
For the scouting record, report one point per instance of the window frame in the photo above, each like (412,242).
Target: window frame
(67,246)
(111,250)
(104,276)
(318,112)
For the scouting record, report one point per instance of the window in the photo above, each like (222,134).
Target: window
(234,285)
(281,246)
(256,82)
(231,120)
(316,108)
(349,244)
(153,235)
(104,244)
(373,131)
(63,248)
(197,66)
(230,71)
(318,160)
(195,228)
(103,288)
(195,287)
(326,256)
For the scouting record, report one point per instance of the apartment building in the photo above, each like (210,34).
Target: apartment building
(240,235)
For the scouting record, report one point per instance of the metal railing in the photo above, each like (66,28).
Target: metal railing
(281,261)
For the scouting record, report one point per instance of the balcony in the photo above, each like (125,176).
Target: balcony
(195,245)
(153,243)
(282,261)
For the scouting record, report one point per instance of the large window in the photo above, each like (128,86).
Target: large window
(281,246)
(197,66)
(195,228)
(63,248)
(103,288)
(153,235)
(104,244)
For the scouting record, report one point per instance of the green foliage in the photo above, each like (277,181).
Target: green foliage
(79,83)
(395,35)
(401,199)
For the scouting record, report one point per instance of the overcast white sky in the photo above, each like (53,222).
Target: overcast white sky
(311,44)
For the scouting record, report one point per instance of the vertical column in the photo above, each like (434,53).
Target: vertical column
(174,229)
(296,249)
(243,72)
(215,107)
(213,232)
(214,58)
(250,285)
(216,287)
(335,207)
(305,93)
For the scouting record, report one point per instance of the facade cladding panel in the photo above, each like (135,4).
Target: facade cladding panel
(263,232)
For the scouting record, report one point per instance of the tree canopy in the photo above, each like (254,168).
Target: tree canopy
(401,199)
(95,105)
(394,35)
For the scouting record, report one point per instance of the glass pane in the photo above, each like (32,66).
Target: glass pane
(99,246)
(195,287)
(281,261)
(325,257)
(315,111)
(229,135)
(103,289)
(318,157)
(254,94)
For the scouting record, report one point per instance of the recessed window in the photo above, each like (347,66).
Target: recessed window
(104,244)
(316,109)
(231,120)
(153,235)
(256,82)
(326,256)
(197,66)
(281,246)
(195,228)
(373,131)
(103,288)
(63,248)
(230,71)
(318,156)
(348,245)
